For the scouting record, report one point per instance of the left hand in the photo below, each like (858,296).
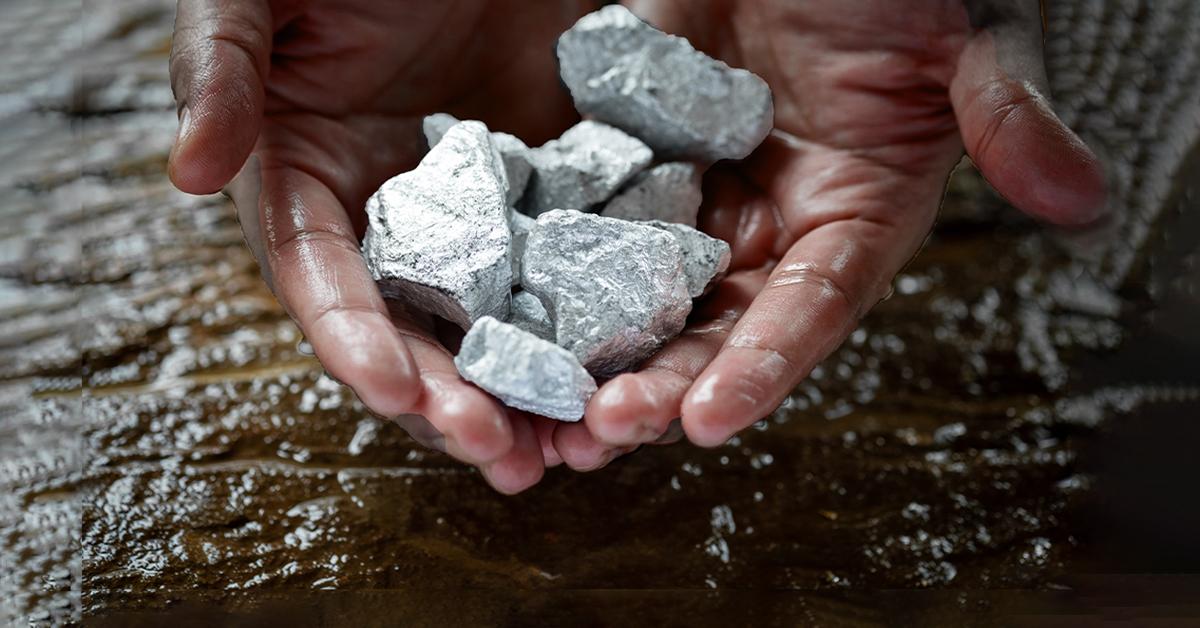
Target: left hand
(874,106)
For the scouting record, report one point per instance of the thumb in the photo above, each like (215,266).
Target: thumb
(1008,126)
(219,58)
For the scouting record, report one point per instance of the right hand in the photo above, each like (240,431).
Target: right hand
(300,110)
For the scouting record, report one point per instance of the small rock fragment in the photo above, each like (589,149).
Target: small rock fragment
(581,168)
(669,192)
(524,371)
(681,102)
(615,289)
(528,313)
(705,258)
(438,237)
(513,152)
(435,126)
(520,225)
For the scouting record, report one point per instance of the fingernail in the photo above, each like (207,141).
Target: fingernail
(672,434)
(185,125)
(613,454)
(181,134)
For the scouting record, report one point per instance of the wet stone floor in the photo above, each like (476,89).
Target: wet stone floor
(166,440)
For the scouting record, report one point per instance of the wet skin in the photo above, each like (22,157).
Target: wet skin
(873,108)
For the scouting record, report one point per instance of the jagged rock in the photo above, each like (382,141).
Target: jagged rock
(513,152)
(438,237)
(705,258)
(582,168)
(520,225)
(668,192)
(683,103)
(615,289)
(528,313)
(524,371)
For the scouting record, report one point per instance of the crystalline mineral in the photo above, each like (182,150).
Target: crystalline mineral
(529,314)
(681,102)
(438,237)
(669,192)
(513,152)
(581,168)
(705,258)
(520,225)
(524,371)
(615,289)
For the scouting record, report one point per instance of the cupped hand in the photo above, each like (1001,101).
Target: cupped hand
(874,105)
(326,99)
(873,108)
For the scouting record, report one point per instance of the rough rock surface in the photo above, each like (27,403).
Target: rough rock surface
(681,102)
(529,314)
(438,237)
(513,152)
(669,192)
(582,168)
(615,289)
(705,258)
(520,225)
(524,371)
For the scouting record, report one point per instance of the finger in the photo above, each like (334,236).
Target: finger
(1008,126)
(522,466)
(858,220)
(319,276)
(219,57)
(475,429)
(544,428)
(581,451)
(421,430)
(474,426)
(639,407)
(673,434)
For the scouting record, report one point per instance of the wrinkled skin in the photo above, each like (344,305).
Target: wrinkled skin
(874,107)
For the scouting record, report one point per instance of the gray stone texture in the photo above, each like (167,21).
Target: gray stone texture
(513,152)
(683,103)
(438,237)
(615,289)
(582,168)
(705,258)
(669,192)
(524,371)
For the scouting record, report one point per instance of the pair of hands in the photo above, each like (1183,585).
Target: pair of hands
(301,109)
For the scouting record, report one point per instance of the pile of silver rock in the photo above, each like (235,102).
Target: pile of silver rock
(578,258)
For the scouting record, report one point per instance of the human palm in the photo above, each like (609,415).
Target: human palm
(872,111)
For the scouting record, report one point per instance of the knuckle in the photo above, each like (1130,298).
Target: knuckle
(304,240)
(199,39)
(801,275)
(1003,103)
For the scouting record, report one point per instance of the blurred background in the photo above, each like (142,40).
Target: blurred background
(1014,438)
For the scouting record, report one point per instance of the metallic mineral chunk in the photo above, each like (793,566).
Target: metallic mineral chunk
(669,192)
(520,225)
(513,151)
(524,371)
(681,102)
(438,237)
(615,289)
(705,258)
(581,168)
(528,313)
